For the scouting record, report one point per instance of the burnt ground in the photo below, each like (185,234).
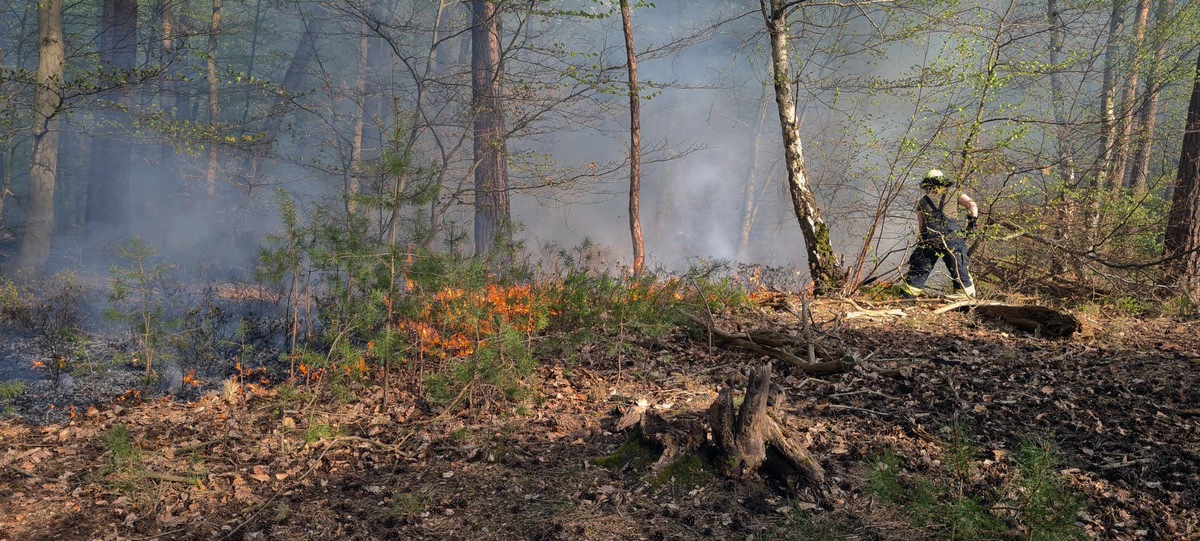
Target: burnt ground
(1118,400)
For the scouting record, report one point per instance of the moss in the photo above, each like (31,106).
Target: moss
(689,472)
(827,275)
(634,452)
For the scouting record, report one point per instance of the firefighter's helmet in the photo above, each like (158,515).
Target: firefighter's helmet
(935,178)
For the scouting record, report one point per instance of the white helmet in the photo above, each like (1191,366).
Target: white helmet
(935,178)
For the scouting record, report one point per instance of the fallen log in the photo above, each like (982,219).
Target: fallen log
(1040,320)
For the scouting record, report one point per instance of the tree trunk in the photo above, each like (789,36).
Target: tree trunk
(7,149)
(635,143)
(1183,223)
(1066,155)
(1124,127)
(213,84)
(751,195)
(112,152)
(490,152)
(306,49)
(356,142)
(47,103)
(826,273)
(253,54)
(1108,113)
(1148,111)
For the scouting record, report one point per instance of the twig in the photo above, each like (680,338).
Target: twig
(864,410)
(28,474)
(171,478)
(863,391)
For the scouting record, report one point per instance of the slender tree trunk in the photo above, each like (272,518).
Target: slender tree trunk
(6,150)
(491,169)
(635,143)
(1066,154)
(1124,126)
(213,104)
(108,189)
(356,142)
(826,272)
(1183,223)
(47,104)
(253,56)
(1108,113)
(166,98)
(751,194)
(1148,111)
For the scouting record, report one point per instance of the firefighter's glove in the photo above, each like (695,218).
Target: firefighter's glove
(972,223)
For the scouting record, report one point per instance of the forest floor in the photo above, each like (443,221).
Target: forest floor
(1118,403)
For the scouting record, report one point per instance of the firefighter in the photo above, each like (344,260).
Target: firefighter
(942,236)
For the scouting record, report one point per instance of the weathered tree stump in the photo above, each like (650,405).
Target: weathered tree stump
(745,441)
(749,440)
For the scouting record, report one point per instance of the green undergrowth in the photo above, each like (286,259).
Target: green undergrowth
(361,304)
(952,500)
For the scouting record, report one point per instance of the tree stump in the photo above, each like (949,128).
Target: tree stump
(749,440)
(746,441)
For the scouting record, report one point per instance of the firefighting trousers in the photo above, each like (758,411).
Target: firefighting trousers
(952,250)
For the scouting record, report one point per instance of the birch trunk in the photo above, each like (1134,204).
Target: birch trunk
(826,273)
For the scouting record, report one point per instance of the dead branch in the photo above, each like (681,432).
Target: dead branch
(773,343)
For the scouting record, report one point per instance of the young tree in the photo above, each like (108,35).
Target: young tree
(823,267)
(47,106)
(1183,224)
(635,142)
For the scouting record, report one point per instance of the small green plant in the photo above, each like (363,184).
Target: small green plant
(118,444)
(319,431)
(1044,505)
(135,299)
(49,309)
(11,389)
(407,506)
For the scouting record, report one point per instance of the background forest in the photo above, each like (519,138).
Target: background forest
(449,126)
